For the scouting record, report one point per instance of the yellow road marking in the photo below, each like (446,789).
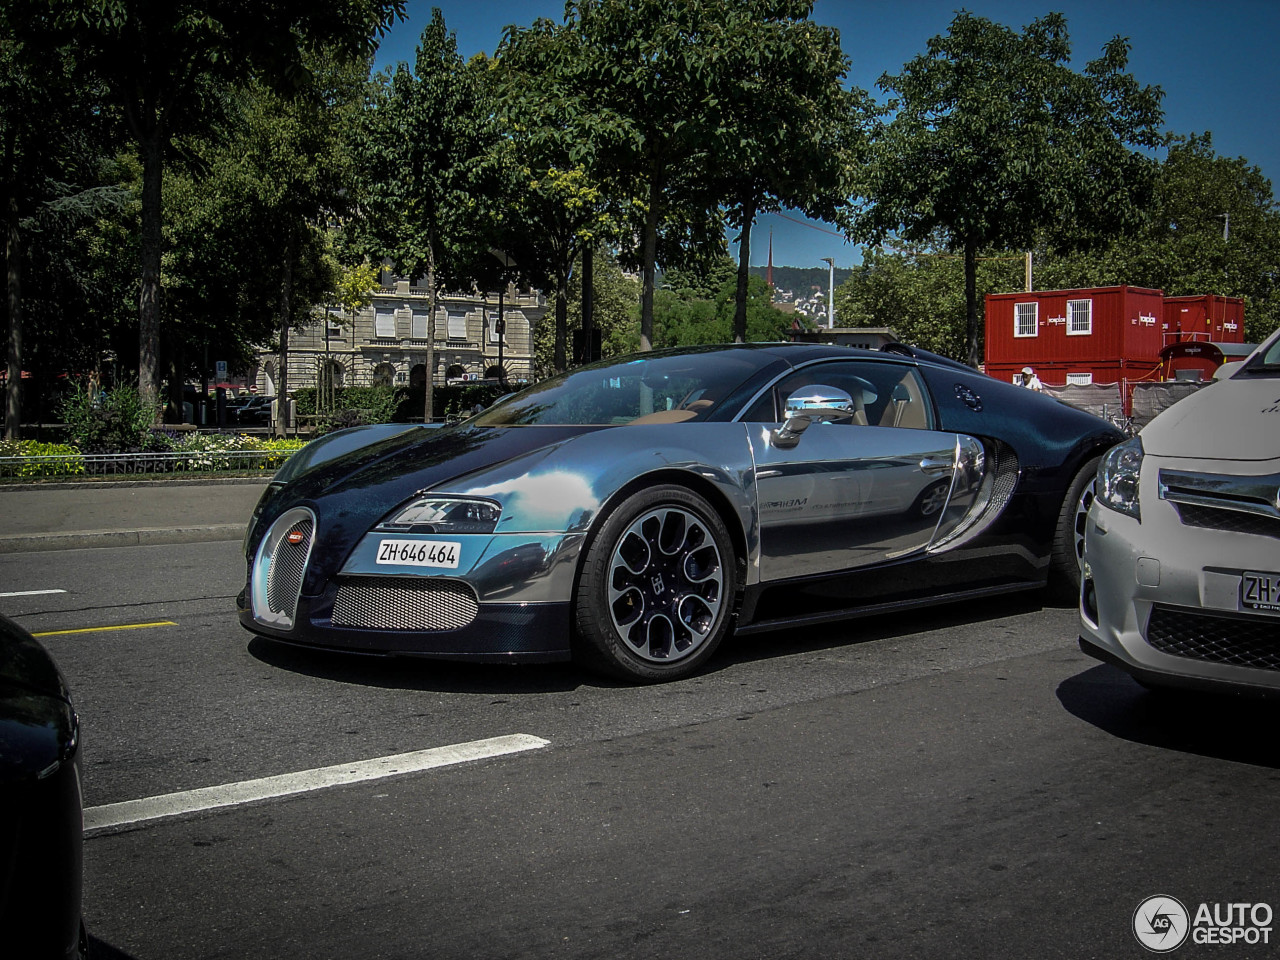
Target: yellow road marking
(123,626)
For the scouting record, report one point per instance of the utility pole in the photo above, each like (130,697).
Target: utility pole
(831,291)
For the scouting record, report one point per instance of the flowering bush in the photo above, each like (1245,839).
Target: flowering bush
(233,451)
(28,449)
(195,452)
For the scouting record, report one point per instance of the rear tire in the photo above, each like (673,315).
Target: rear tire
(1067,560)
(656,587)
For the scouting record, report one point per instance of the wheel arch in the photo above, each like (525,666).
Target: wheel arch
(708,490)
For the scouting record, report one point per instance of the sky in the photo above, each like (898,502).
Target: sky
(1215,60)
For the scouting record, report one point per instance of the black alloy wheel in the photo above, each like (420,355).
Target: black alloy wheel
(1067,561)
(657,587)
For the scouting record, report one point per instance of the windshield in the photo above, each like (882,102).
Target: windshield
(649,388)
(1267,360)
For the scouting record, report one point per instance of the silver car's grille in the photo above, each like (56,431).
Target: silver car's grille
(1231,521)
(1243,642)
(401,603)
(1257,497)
(284,580)
(278,569)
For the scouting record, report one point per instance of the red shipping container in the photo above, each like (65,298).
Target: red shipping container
(1205,317)
(1095,335)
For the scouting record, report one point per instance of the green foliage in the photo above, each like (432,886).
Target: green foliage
(680,322)
(919,293)
(1214,228)
(995,137)
(210,452)
(803,279)
(423,150)
(617,308)
(114,421)
(69,462)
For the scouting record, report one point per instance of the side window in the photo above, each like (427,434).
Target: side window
(884,394)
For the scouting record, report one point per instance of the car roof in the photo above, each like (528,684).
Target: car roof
(797,353)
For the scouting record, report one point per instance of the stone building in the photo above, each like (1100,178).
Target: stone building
(386,341)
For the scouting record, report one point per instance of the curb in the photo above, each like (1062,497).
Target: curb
(101,484)
(88,539)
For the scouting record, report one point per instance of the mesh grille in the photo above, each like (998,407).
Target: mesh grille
(1233,521)
(1252,642)
(399,603)
(284,578)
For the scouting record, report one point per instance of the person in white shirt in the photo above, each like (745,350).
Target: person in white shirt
(1031,381)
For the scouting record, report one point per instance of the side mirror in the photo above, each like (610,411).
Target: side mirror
(817,403)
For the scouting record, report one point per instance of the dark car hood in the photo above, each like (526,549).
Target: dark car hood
(25,665)
(351,493)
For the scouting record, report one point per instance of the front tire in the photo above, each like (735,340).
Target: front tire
(656,588)
(1067,561)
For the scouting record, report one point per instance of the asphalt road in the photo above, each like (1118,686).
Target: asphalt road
(960,782)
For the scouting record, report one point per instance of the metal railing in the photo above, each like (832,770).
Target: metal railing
(120,464)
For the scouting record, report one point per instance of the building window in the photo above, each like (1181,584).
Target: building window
(384,325)
(457,325)
(384,374)
(497,328)
(333,323)
(1079,317)
(419,325)
(1080,379)
(1026,319)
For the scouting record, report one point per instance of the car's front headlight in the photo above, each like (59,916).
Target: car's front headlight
(450,515)
(1118,475)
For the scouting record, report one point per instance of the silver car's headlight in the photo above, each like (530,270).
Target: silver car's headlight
(1118,474)
(435,514)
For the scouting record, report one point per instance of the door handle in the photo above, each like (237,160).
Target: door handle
(930,465)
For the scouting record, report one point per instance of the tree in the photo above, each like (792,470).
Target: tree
(1214,228)
(918,292)
(701,307)
(162,63)
(616,308)
(423,146)
(53,176)
(552,201)
(641,109)
(789,131)
(995,137)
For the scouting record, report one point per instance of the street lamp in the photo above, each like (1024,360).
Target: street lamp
(831,291)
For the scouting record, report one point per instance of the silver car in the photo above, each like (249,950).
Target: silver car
(1181,584)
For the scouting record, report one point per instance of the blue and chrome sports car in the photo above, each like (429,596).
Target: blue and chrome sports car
(634,512)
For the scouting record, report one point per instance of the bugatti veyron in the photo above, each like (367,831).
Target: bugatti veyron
(633,513)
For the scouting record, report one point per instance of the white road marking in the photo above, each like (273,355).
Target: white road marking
(130,812)
(30,593)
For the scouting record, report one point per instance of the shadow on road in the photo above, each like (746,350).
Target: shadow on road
(1208,725)
(409,673)
(853,631)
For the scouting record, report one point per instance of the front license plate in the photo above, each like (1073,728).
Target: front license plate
(1260,591)
(420,553)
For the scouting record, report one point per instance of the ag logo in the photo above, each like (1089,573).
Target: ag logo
(1161,924)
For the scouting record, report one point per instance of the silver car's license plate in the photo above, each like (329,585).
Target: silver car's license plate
(420,553)
(1260,591)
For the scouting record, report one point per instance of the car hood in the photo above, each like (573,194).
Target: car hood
(355,490)
(1236,419)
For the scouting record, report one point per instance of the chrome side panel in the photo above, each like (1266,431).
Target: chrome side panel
(966,501)
(849,496)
